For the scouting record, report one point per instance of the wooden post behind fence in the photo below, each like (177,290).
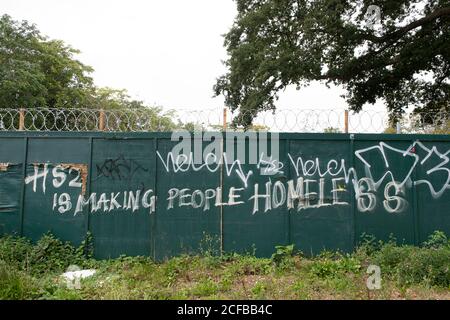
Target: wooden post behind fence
(224,119)
(22,119)
(346,121)
(101,123)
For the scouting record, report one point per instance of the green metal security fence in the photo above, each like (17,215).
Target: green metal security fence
(137,197)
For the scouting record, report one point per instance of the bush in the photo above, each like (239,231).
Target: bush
(437,239)
(52,255)
(250,265)
(282,257)
(204,288)
(429,266)
(329,265)
(368,245)
(390,256)
(31,271)
(49,254)
(413,265)
(15,251)
(15,284)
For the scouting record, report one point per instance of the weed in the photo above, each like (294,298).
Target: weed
(205,288)
(15,284)
(437,239)
(301,289)
(210,245)
(259,290)
(330,265)
(282,258)
(226,282)
(32,271)
(408,265)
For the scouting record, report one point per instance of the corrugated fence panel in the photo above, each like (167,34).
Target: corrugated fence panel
(324,218)
(54,181)
(185,220)
(432,188)
(385,204)
(122,184)
(12,151)
(261,220)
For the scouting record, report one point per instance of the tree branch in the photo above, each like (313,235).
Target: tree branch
(413,25)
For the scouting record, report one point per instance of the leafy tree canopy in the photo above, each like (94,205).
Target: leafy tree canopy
(38,72)
(404,58)
(153,116)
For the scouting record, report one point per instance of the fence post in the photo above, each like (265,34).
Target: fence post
(21,119)
(101,123)
(221,179)
(22,189)
(224,119)
(399,127)
(346,121)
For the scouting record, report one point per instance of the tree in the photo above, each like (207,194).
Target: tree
(37,72)
(331,130)
(125,113)
(404,59)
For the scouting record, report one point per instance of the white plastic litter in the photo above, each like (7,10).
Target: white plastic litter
(81,274)
(73,278)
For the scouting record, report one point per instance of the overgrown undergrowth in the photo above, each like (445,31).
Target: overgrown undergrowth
(32,271)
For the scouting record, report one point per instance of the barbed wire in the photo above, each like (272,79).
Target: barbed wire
(283,120)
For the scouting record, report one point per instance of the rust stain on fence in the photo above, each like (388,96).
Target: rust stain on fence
(82,169)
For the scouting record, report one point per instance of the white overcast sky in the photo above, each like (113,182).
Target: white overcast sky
(165,52)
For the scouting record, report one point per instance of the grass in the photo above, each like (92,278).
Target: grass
(32,271)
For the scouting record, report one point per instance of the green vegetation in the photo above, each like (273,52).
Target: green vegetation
(376,51)
(332,130)
(38,72)
(32,271)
